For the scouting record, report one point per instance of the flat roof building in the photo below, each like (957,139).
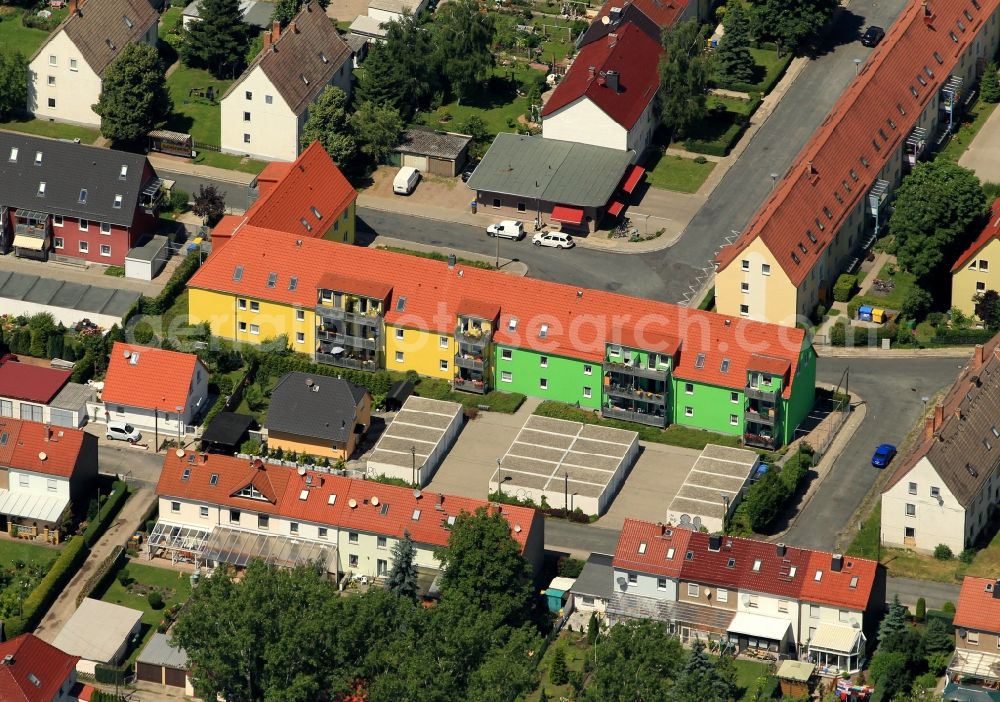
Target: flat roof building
(416,441)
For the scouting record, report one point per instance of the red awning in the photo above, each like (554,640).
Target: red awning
(633,177)
(567,215)
(615,208)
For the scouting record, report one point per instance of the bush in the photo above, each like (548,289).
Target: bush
(967,555)
(921,612)
(942,552)
(948,608)
(108,510)
(569,567)
(155,600)
(124,579)
(700,160)
(955,337)
(844,288)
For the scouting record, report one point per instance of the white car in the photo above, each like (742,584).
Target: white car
(556,240)
(122,432)
(507,229)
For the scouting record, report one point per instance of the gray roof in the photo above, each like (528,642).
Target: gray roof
(97,630)
(148,250)
(596,577)
(397,6)
(255,12)
(366,26)
(73,396)
(58,293)
(328,413)
(67,169)
(159,652)
(560,172)
(426,142)
(355,42)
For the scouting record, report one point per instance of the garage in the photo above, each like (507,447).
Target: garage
(144,262)
(163,664)
(438,153)
(421,163)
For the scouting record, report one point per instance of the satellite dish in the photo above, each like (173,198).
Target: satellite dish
(42,456)
(374,501)
(517,529)
(416,494)
(352,503)
(179,453)
(126,353)
(605,20)
(301,470)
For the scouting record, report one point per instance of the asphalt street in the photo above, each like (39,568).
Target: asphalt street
(236,195)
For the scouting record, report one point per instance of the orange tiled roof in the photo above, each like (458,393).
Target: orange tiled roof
(664,14)
(577,322)
(835,588)
(656,542)
(33,658)
(978,608)
(158,379)
(990,231)
(283,489)
(842,160)
(22,445)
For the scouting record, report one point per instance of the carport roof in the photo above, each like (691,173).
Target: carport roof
(719,471)
(550,170)
(427,142)
(420,424)
(56,293)
(595,578)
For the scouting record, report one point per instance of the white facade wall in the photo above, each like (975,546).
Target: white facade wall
(640,136)
(12,407)
(647,585)
(584,122)
(812,616)
(27,482)
(588,603)
(766,605)
(166,420)
(933,522)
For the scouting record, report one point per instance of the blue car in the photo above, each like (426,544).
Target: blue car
(883,455)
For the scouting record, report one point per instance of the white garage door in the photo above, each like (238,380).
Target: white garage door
(61,418)
(418,162)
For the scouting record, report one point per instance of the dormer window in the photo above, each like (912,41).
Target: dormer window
(756,565)
(123,173)
(251,492)
(118,202)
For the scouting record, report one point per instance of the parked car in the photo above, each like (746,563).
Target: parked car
(467,173)
(883,455)
(406,180)
(556,240)
(122,432)
(872,36)
(507,229)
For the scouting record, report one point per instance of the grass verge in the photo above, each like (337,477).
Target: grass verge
(53,130)
(15,37)
(676,173)
(975,119)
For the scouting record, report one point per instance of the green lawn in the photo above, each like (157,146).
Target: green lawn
(14,36)
(734,105)
(959,142)
(576,648)
(773,65)
(197,116)
(22,566)
(676,173)
(893,300)
(747,673)
(230,162)
(170,21)
(12,551)
(55,130)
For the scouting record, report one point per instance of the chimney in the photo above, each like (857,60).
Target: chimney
(996,590)
(837,563)
(978,356)
(938,416)
(812,171)
(929,16)
(593,72)
(452,260)
(781,550)
(715,542)
(611,80)
(275,30)
(74,7)
(48,432)
(294,27)
(267,41)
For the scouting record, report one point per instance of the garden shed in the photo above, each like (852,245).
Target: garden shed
(164,664)
(145,261)
(437,153)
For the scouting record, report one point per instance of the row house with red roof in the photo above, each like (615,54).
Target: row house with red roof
(833,202)
(974,670)
(46,473)
(217,509)
(627,358)
(749,595)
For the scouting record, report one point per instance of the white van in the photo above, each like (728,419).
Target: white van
(406,180)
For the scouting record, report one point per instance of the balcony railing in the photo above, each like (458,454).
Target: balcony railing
(468,385)
(638,371)
(768,418)
(658,398)
(470,362)
(760,394)
(356,342)
(342,361)
(369,319)
(471,336)
(760,441)
(652,420)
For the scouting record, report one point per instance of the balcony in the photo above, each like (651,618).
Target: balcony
(354,342)
(657,398)
(343,361)
(636,371)
(469,385)
(764,394)
(470,362)
(768,418)
(760,441)
(476,338)
(652,420)
(369,319)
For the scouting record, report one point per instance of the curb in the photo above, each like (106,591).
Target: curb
(869,352)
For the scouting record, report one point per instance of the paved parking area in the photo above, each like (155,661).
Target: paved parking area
(652,484)
(983,154)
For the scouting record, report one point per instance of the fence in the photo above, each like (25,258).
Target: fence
(95,580)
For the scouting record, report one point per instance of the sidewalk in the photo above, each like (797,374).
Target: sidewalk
(507,265)
(124,525)
(179,165)
(877,352)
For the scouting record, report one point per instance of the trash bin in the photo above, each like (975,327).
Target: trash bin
(879,315)
(472,206)
(865,313)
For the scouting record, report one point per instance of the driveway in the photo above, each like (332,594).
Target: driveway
(983,154)
(651,485)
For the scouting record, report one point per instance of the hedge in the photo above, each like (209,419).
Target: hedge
(162,302)
(845,286)
(766,498)
(962,336)
(41,598)
(275,366)
(108,511)
(723,144)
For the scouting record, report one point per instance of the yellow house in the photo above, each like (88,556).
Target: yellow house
(756,287)
(978,268)
(251,319)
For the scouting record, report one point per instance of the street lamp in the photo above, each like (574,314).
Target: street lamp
(180,410)
(725,504)
(774,180)
(857,66)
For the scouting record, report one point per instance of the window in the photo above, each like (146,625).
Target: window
(935,492)
(84,225)
(744,310)
(506,377)
(268,99)
(300,315)
(243,326)
(57,242)
(175,507)
(293,527)
(973,638)
(255,329)
(52,80)
(913,489)
(661,583)
(381,542)
(381,565)
(52,102)
(352,537)
(689,411)
(254,306)
(399,357)
(234,516)
(980,286)
(23,479)
(203,512)
(909,532)
(249,95)
(689,388)
(520,207)
(633,579)
(814,611)
(744,287)
(506,354)
(246,138)
(84,247)
(300,337)
(984,265)
(746,264)
(734,397)
(844,615)
(443,364)
(13,154)
(72,64)
(322,532)
(588,392)
(734,420)
(53,61)
(41,189)
(246,116)
(911,510)
(694,590)
(588,369)
(783,606)
(399,333)
(543,383)
(496,203)
(57,220)
(765,269)
(443,342)
(241,303)
(105,249)
(352,560)
(263,521)
(543,361)
(105,228)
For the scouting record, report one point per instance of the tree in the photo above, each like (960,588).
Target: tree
(402,71)
(377,129)
(636,660)
(989,84)
(685,71)
(209,204)
(463,36)
(734,60)
(935,205)
(285,10)
(988,308)
(700,681)
(484,569)
(13,84)
(403,575)
(916,303)
(791,22)
(593,629)
(507,672)
(329,124)
(894,621)
(890,673)
(558,673)
(217,41)
(134,98)
(937,637)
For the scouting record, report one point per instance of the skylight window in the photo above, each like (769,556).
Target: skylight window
(996,432)
(128,23)
(928,72)
(38,158)
(316,213)
(854,582)
(819,225)
(384,509)
(881,133)
(238,274)
(323,58)
(41,189)
(938,58)
(293,283)
(961,25)
(122,173)
(837,196)
(802,248)
(854,175)
(913,92)
(725,365)
(892,125)
(304,494)
(13,154)
(331,500)
(214,480)
(756,565)
(689,556)
(795,257)
(543,331)
(731,563)
(899,106)
(827,212)
(304,79)
(512,324)
(451,520)
(670,554)
(875,145)
(847,186)
(699,361)
(401,304)
(968,15)
(83,196)
(642,548)
(811,236)
(305,223)
(818,576)
(186,474)
(864,162)
(792,571)
(921,80)
(272,280)
(118,202)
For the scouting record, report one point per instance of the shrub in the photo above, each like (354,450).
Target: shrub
(948,607)
(124,579)
(942,552)
(162,302)
(967,555)
(38,602)
(108,510)
(570,567)
(700,160)
(155,600)
(921,611)
(845,287)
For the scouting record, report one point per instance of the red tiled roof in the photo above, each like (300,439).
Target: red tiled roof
(158,379)
(366,287)
(283,488)
(663,13)
(659,540)
(579,322)
(880,101)
(33,657)
(768,364)
(745,564)
(630,52)
(478,308)
(990,231)
(978,608)
(27,441)
(271,175)
(22,381)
